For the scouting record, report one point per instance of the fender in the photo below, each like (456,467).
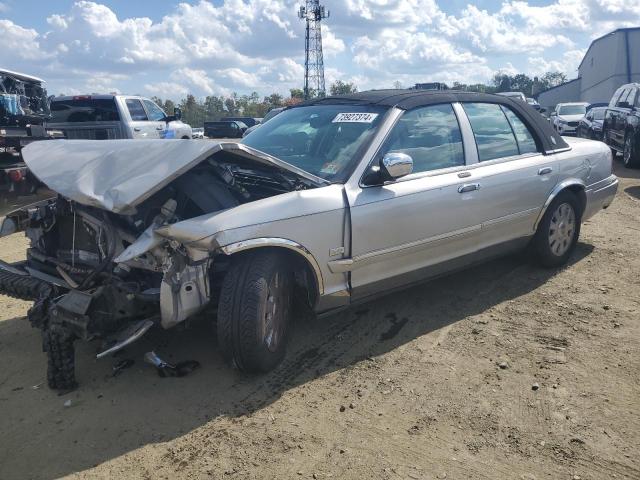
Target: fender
(280,243)
(568,183)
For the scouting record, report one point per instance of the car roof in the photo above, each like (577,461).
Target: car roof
(407,99)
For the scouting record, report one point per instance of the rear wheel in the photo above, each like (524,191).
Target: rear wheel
(558,231)
(254,312)
(630,157)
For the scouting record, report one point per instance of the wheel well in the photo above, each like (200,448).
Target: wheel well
(185,138)
(304,273)
(578,191)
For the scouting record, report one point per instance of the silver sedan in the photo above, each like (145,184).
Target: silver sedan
(330,203)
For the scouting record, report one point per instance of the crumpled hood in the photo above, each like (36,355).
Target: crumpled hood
(117,175)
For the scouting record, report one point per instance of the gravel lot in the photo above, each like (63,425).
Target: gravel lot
(504,371)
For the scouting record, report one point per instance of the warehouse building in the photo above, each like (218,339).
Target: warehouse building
(611,60)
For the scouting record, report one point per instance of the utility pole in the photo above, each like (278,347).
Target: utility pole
(313,14)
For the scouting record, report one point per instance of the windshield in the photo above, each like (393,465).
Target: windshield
(573,110)
(84,110)
(320,139)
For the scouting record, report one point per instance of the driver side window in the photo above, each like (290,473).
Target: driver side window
(155,113)
(430,136)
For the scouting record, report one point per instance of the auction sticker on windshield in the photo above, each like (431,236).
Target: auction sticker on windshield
(355,118)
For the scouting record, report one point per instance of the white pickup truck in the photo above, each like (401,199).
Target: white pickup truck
(109,117)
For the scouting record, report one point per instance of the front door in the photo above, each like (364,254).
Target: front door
(402,229)
(141,126)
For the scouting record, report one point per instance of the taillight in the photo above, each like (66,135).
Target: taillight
(82,97)
(16,175)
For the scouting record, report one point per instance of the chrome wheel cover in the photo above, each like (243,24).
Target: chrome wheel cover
(276,311)
(561,229)
(627,150)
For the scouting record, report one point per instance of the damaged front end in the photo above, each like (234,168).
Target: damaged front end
(97,274)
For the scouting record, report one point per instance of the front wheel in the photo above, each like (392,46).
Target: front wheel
(254,312)
(558,231)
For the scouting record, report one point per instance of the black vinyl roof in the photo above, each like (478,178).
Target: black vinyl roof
(409,99)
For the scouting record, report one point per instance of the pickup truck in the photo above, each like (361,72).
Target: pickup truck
(110,117)
(621,128)
(24,109)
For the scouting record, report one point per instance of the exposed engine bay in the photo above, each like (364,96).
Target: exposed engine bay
(96,274)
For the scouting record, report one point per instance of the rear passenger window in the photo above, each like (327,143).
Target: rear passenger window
(493,133)
(430,135)
(526,141)
(135,110)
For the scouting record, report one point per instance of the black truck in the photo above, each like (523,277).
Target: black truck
(621,128)
(24,110)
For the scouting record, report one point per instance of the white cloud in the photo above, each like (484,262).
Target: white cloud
(208,48)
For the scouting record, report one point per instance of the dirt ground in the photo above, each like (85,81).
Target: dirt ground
(408,386)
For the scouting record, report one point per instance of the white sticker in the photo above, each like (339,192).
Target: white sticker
(355,118)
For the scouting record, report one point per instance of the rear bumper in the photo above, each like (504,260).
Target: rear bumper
(600,195)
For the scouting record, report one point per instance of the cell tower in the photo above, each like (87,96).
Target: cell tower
(313,13)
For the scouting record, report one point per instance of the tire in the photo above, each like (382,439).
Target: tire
(254,312)
(558,231)
(630,157)
(60,359)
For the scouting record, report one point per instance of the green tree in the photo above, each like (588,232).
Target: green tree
(552,79)
(297,93)
(342,88)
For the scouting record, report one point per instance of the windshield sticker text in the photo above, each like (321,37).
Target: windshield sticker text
(355,118)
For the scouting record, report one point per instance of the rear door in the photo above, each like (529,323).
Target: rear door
(140,125)
(513,176)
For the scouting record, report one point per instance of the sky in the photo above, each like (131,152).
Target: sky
(169,48)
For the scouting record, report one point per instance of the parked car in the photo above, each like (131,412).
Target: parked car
(272,113)
(566,116)
(330,203)
(534,103)
(224,129)
(197,132)
(590,126)
(248,121)
(622,124)
(110,117)
(515,96)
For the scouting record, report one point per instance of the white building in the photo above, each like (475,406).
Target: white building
(611,60)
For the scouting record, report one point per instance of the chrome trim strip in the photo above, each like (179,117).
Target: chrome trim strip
(277,242)
(570,182)
(508,218)
(349,264)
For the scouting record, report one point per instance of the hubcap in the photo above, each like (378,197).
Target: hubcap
(561,229)
(276,312)
(627,150)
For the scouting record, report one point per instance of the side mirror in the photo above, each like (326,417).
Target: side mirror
(177,113)
(395,165)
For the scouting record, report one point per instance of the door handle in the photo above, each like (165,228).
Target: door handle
(137,129)
(470,187)
(545,171)
(159,128)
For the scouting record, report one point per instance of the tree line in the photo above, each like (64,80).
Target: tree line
(211,108)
